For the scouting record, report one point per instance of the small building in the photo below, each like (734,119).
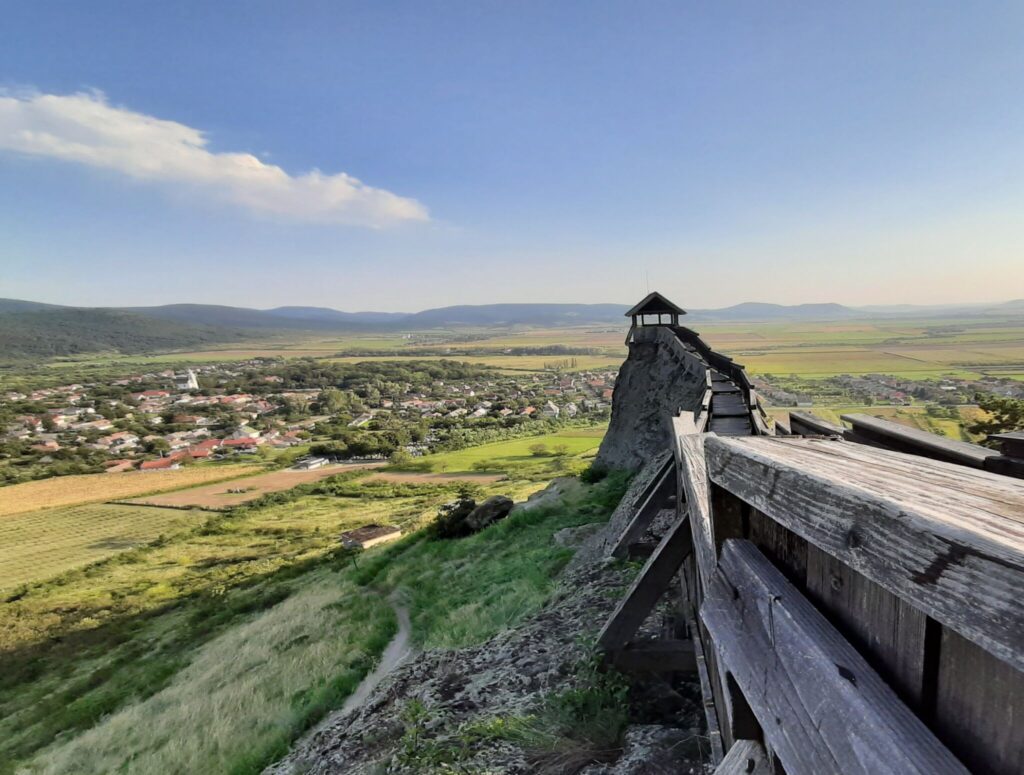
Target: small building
(369,535)
(310,464)
(655,310)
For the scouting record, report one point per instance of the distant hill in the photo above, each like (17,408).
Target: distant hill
(752,310)
(35,329)
(516,314)
(60,331)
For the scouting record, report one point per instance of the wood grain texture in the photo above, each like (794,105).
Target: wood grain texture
(889,632)
(693,484)
(979,707)
(746,757)
(821,707)
(946,538)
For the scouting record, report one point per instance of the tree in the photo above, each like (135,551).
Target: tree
(561,449)
(332,401)
(538,450)
(1005,414)
(400,458)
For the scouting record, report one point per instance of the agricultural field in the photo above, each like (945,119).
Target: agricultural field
(925,349)
(509,456)
(39,544)
(96,488)
(235,492)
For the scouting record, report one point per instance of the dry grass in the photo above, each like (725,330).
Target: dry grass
(97,488)
(245,695)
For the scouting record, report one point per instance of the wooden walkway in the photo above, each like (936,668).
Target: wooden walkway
(730,414)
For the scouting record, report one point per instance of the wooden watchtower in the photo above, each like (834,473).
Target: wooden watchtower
(655,310)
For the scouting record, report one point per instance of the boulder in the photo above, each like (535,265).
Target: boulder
(492,510)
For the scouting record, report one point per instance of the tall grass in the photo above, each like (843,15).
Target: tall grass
(246,694)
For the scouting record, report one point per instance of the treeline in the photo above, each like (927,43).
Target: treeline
(63,332)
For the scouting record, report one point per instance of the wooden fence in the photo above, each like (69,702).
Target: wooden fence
(851,608)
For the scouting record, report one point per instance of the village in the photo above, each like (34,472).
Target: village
(276,410)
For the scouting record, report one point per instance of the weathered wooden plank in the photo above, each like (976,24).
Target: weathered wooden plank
(689,592)
(946,538)
(663,486)
(658,656)
(887,631)
(979,707)
(782,428)
(647,588)
(746,757)
(783,547)
(821,707)
(808,424)
(693,483)
(916,441)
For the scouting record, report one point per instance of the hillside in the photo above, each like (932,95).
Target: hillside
(60,331)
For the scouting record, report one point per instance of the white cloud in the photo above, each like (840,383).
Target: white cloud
(86,129)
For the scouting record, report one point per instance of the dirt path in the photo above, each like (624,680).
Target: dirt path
(397,651)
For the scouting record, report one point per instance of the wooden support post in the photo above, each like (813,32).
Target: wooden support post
(663,486)
(648,587)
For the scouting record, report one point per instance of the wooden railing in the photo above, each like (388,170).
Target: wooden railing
(855,609)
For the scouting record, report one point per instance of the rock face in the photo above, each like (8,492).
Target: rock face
(492,510)
(464,517)
(652,387)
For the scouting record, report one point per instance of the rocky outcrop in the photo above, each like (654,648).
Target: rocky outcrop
(492,510)
(464,517)
(654,384)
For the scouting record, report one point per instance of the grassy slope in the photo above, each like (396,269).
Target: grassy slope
(136,630)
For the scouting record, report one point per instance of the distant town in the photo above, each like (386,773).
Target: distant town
(167,419)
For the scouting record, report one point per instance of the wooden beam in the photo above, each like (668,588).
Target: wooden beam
(693,481)
(821,707)
(648,587)
(746,757)
(657,656)
(662,486)
(809,424)
(917,442)
(946,538)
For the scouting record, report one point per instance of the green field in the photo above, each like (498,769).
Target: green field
(508,456)
(39,544)
(921,349)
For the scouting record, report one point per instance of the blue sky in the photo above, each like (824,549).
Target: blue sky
(400,156)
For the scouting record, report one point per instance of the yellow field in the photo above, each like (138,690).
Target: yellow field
(40,544)
(507,362)
(95,488)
